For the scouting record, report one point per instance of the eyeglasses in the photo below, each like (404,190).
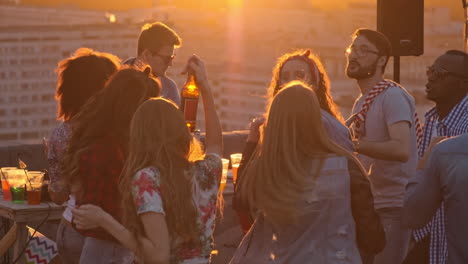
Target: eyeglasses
(437,72)
(360,51)
(166,59)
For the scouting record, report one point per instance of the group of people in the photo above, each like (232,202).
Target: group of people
(140,188)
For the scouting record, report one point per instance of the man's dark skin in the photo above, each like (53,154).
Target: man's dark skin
(447,87)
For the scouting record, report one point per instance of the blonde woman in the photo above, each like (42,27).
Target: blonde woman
(169,187)
(303,65)
(299,184)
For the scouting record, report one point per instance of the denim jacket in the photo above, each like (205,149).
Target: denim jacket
(324,232)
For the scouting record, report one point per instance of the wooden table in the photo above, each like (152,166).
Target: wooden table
(23,214)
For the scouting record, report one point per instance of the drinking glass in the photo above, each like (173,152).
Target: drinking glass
(5,185)
(17,179)
(224,175)
(34,187)
(235,162)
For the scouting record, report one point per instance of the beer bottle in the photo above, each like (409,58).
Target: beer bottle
(189,105)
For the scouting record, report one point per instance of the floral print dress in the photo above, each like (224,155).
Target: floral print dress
(206,176)
(57,146)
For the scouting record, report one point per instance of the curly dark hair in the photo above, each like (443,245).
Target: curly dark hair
(323,87)
(80,77)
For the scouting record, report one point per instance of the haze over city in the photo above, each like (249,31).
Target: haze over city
(239,40)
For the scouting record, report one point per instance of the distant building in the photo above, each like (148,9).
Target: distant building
(28,57)
(239,48)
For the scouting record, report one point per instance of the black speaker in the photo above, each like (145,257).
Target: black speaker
(402,21)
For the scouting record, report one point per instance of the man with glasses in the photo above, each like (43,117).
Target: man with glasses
(447,86)
(384,126)
(156,45)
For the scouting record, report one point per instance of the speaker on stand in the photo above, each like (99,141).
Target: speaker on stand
(402,21)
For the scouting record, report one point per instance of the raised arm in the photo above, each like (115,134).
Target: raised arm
(214,137)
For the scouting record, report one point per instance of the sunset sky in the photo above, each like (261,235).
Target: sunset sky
(456,5)
(125,4)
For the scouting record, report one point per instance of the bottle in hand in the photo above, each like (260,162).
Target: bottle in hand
(189,105)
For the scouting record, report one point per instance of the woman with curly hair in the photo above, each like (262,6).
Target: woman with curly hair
(169,187)
(80,77)
(96,154)
(304,66)
(299,184)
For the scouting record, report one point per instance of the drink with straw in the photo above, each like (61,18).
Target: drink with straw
(34,187)
(18,194)
(6,190)
(17,180)
(4,180)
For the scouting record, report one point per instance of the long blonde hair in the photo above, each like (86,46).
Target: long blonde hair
(280,168)
(159,138)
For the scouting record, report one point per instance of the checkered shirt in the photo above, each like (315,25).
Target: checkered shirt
(454,124)
(100,169)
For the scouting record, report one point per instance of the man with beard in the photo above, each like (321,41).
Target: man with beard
(384,124)
(447,86)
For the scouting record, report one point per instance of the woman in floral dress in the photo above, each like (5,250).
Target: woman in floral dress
(169,187)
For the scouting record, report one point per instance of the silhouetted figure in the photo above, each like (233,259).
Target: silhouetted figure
(169,186)
(298,184)
(447,86)
(305,66)
(441,186)
(384,124)
(96,153)
(156,48)
(80,77)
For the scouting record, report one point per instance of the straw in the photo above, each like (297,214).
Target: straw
(4,177)
(23,166)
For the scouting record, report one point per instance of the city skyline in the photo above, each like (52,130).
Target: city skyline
(239,52)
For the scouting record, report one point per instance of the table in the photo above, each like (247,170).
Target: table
(23,214)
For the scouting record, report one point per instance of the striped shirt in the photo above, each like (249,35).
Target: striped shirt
(454,124)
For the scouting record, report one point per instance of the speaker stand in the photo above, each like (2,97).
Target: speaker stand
(465,41)
(396,69)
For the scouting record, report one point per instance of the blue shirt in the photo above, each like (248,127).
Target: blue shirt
(444,179)
(337,131)
(454,124)
(169,88)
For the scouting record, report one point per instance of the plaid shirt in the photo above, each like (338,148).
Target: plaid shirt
(100,169)
(454,124)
